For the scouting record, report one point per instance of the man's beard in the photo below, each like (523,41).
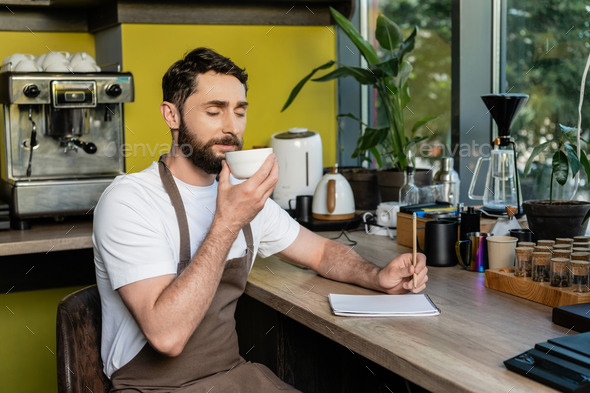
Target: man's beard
(202,154)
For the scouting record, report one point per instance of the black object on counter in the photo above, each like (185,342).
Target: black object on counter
(440,238)
(302,207)
(576,315)
(523,234)
(469,222)
(330,225)
(562,363)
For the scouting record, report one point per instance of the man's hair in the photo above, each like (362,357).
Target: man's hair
(180,81)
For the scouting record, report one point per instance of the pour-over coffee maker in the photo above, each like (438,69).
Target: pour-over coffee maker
(502,186)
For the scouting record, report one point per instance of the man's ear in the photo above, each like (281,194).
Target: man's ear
(170,114)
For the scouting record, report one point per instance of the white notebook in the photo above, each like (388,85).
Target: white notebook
(414,305)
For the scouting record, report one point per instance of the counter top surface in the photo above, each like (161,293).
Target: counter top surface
(47,235)
(461,350)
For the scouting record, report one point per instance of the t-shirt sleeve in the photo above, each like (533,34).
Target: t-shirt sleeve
(131,245)
(279,230)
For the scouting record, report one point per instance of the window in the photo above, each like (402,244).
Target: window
(430,82)
(547,45)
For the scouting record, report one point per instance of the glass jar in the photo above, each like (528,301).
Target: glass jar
(562,247)
(580,276)
(543,249)
(547,243)
(562,254)
(580,256)
(582,239)
(526,244)
(541,268)
(580,249)
(523,265)
(564,240)
(580,245)
(559,275)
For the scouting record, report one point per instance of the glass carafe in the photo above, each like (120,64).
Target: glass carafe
(500,187)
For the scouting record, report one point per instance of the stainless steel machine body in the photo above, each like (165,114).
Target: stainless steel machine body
(61,140)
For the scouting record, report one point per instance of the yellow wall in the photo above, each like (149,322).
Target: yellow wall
(277,61)
(27,357)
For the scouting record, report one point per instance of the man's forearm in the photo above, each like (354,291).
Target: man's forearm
(182,305)
(342,263)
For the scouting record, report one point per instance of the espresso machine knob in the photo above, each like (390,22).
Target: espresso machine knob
(113,90)
(31,91)
(88,147)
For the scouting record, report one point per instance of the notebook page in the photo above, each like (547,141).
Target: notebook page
(409,304)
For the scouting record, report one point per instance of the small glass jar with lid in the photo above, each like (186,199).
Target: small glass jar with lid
(580,249)
(560,275)
(562,247)
(526,244)
(580,276)
(543,249)
(564,240)
(562,254)
(580,256)
(583,239)
(541,267)
(523,264)
(546,243)
(580,245)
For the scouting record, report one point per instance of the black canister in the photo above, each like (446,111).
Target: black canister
(439,243)
(469,222)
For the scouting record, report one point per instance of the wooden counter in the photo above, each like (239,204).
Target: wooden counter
(461,350)
(47,235)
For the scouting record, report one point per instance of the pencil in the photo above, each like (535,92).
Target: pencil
(414,247)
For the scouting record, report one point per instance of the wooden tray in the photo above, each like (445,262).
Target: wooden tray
(526,288)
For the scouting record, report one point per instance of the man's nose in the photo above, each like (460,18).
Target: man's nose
(230,124)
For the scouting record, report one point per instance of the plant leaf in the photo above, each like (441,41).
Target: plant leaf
(423,121)
(407,46)
(372,137)
(566,129)
(536,151)
(377,156)
(362,75)
(303,81)
(572,157)
(404,73)
(587,216)
(390,66)
(388,34)
(560,167)
(366,48)
(405,95)
(573,138)
(352,117)
(585,164)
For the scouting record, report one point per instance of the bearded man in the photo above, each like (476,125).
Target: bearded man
(174,245)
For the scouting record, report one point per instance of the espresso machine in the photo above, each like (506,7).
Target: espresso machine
(61,141)
(502,187)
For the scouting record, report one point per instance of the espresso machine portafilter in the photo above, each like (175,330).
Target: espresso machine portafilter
(61,139)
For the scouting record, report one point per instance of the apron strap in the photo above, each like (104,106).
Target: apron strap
(176,199)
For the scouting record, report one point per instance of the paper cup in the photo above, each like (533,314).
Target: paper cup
(501,251)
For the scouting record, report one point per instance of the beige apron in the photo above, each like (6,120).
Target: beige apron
(210,361)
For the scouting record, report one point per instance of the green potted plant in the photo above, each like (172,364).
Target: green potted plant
(559,218)
(562,218)
(389,76)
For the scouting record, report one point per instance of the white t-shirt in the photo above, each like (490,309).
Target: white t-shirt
(136,236)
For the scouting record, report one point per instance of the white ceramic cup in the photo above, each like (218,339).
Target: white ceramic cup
(501,251)
(39,59)
(16,58)
(27,66)
(85,66)
(373,229)
(55,57)
(387,214)
(58,67)
(80,57)
(244,163)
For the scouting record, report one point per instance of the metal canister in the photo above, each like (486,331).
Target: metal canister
(449,178)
